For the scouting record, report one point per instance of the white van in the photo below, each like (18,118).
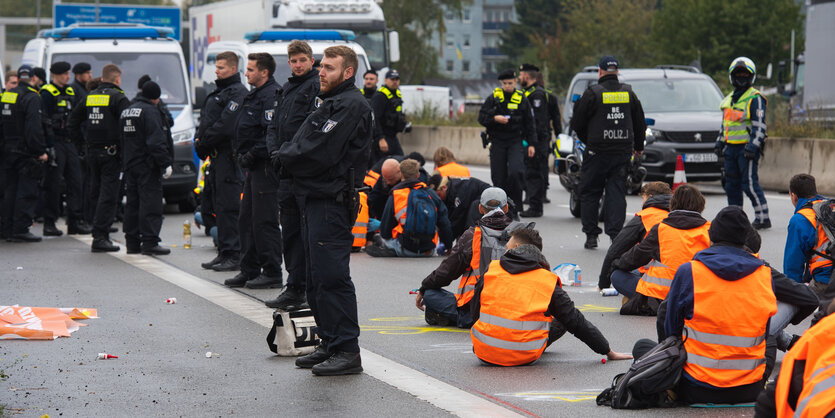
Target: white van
(137,50)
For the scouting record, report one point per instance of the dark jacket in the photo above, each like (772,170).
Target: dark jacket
(388,121)
(22,129)
(538,99)
(103,129)
(631,234)
(216,131)
(80,91)
(649,248)
(56,112)
(145,136)
(561,307)
(460,195)
(521,126)
(461,254)
(255,120)
(584,111)
(332,143)
(295,102)
(388,221)
(800,242)
(368,93)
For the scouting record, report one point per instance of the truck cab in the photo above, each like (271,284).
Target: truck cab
(137,50)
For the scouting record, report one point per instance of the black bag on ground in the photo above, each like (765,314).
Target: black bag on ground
(640,305)
(293,333)
(646,383)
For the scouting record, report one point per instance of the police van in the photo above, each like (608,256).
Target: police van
(137,50)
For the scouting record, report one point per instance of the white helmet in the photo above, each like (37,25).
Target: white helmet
(743,63)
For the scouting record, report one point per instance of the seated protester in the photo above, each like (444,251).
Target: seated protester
(414,155)
(469,258)
(520,308)
(655,207)
(389,170)
(668,245)
(446,166)
(461,197)
(413,219)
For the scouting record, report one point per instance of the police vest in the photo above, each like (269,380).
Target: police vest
(815,260)
(512,105)
(12,113)
(512,328)
(610,127)
(401,203)
(486,248)
(102,121)
(394,120)
(360,228)
(736,118)
(815,352)
(453,169)
(650,217)
(371,178)
(725,348)
(63,107)
(676,247)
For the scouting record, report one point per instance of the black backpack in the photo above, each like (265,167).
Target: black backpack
(646,383)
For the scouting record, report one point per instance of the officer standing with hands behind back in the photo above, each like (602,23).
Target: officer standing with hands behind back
(536,171)
(609,119)
(389,118)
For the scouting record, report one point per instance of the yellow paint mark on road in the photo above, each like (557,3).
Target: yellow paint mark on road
(395,318)
(408,330)
(553,396)
(597,308)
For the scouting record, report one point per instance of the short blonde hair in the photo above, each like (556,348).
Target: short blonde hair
(410,169)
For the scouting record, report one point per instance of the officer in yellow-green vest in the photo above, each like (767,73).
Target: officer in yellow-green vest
(741,139)
(389,119)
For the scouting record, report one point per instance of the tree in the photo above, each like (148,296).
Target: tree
(534,17)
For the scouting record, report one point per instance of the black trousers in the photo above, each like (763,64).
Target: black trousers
(20,197)
(225,197)
(326,236)
(88,199)
(394,149)
(105,170)
(258,223)
(603,172)
(207,203)
(291,233)
(68,169)
(507,168)
(536,178)
(143,211)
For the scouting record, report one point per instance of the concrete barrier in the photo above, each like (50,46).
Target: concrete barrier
(465,143)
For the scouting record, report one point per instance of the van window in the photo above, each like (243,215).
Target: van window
(164,69)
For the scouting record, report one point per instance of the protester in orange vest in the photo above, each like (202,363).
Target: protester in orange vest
(655,207)
(520,308)
(461,197)
(383,176)
(446,166)
(669,244)
(469,258)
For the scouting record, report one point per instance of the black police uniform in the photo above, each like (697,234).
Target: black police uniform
(258,218)
(23,142)
(461,195)
(87,204)
(506,150)
(295,103)
(535,176)
(368,93)
(389,119)
(327,158)
(146,153)
(100,112)
(609,119)
(216,134)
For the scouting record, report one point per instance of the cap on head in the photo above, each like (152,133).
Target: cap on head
(151,90)
(81,68)
(608,63)
(730,226)
(493,197)
(528,67)
(393,74)
(39,72)
(25,71)
(59,67)
(506,74)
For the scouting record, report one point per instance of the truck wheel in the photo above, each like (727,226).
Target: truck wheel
(574,204)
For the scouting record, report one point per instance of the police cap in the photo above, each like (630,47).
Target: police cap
(393,74)
(59,67)
(506,74)
(528,68)
(151,90)
(81,68)
(608,63)
(25,71)
(40,72)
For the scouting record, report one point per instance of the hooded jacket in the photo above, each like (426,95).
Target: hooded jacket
(800,242)
(649,248)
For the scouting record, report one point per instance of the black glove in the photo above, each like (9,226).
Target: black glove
(751,152)
(719,149)
(275,161)
(202,151)
(246,160)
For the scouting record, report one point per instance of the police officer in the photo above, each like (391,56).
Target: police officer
(741,140)
(535,176)
(258,218)
(327,158)
(100,113)
(82,74)
(509,120)
(24,155)
(58,99)
(609,119)
(147,159)
(369,84)
(215,139)
(389,118)
(295,103)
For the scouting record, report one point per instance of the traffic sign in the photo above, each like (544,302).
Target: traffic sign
(66,14)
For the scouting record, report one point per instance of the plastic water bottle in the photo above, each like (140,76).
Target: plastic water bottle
(187,234)
(609,292)
(578,277)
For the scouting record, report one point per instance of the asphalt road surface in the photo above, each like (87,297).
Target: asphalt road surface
(411,369)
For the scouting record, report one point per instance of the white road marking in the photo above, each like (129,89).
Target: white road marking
(420,385)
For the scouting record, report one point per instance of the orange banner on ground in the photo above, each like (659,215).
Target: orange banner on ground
(37,323)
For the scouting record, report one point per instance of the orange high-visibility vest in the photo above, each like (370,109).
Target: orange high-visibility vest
(816,261)
(512,327)
(817,349)
(371,178)
(676,247)
(466,286)
(650,217)
(360,228)
(453,169)
(726,348)
(401,203)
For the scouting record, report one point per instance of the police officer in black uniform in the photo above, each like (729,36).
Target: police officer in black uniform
(327,159)
(609,119)
(511,130)
(215,138)
(147,159)
(535,176)
(258,218)
(295,103)
(369,84)
(24,155)
(389,118)
(82,74)
(100,112)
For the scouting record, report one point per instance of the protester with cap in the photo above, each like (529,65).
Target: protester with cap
(511,130)
(24,155)
(82,74)
(369,84)
(609,119)
(389,118)
(468,259)
(147,160)
(58,100)
(461,197)
(535,177)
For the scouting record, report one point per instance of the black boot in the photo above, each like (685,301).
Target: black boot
(338,364)
(155,250)
(317,356)
(237,281)
(530,213)
(265,282)
(290,299)
(591,242)
(228,263)
(50,230)
(79,227)
(24,237)
(104,245)
(210,264)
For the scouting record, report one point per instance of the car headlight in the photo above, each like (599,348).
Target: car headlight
(653,135)
(183,136)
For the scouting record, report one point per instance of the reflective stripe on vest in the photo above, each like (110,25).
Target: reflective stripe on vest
(815,394)
(515,99)
(385,90)
(466,286)
(724,348)
(360,229)
(816,261)
(509,345)
(818,387)
(513,324)
(371,178)
(675,247)
(453,169)
(736,118)
(650,217)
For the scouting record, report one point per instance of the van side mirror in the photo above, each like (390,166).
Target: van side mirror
(394,46)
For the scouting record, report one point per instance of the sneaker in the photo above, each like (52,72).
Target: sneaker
(265,282)
(208,265)
(317,356)
(50,230)
(756,224)
(229,263)
(290,299)
(339,364)
(591,242)
(237,281)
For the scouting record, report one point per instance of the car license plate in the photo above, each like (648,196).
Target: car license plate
(701,158)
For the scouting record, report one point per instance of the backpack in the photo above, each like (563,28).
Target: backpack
(421,219)
(825,215)
(293,333)
(494,242)
(648,380)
